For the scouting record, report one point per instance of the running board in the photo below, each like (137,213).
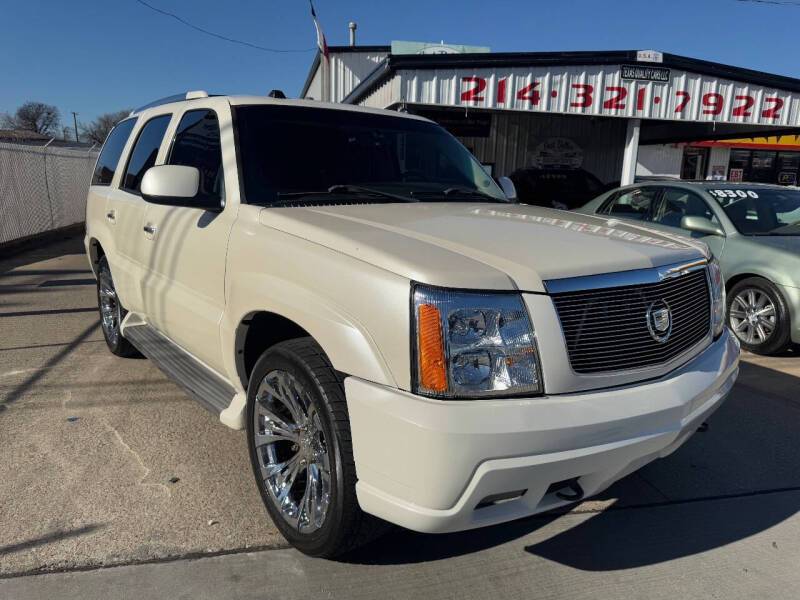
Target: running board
(206,386)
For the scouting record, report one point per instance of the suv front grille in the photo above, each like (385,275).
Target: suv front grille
(607,329)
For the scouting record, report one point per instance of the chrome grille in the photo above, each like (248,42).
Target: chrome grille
(607,329)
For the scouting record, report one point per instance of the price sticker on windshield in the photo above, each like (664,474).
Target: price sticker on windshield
(733,193)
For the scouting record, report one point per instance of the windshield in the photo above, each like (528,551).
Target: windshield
(761,211)
(288,151)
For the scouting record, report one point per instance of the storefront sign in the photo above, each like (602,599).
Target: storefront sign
(558,153)
(602,91)
(642,73)
(735,174)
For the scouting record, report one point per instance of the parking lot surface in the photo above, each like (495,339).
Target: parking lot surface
(116,484)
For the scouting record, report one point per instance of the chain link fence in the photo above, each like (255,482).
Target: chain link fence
(42,188)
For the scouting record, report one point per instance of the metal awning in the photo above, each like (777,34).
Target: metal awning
(709,100)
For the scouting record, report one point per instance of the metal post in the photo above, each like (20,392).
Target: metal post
(75,120)
(352,27)
(631,154)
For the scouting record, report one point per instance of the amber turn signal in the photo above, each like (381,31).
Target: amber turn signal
(432,371)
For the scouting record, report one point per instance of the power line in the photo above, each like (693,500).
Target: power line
(217,35)
(773,2)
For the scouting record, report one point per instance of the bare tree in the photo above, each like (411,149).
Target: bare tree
(34,116)
(98,130)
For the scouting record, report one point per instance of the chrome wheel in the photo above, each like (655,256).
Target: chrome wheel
(292,452)
(110,316)
(752,316)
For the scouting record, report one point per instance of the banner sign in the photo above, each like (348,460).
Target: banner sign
(644,91)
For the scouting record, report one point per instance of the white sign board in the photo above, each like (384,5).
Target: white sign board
(638,91)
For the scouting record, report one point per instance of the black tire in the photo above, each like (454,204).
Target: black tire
(780,337)
(113,336)
(345,526)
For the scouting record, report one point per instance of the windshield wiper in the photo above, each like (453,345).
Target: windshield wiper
(338,189)
(458,191)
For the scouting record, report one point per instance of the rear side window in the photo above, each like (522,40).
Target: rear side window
(197,144)
(144,153)
(112,151)
(631,204)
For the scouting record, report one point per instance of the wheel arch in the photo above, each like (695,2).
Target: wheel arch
(96,252)
(349,348)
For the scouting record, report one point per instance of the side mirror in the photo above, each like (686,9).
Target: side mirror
(508,187)
(176,185)
(701,225)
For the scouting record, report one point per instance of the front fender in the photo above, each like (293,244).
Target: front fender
(347,341)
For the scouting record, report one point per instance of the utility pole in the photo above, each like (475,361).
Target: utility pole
(75,120)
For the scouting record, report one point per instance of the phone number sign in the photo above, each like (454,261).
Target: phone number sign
(607,91)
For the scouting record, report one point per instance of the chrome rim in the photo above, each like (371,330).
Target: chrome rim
(292,451)
(109,307)
(752,316)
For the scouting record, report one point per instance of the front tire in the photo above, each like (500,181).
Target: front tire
(111,312)
(298,435)
(759,317)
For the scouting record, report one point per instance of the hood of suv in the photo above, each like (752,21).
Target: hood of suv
(482,246)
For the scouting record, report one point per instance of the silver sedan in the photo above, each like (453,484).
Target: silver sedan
(754,231)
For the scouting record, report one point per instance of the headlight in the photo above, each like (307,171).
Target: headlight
(717,297)
(473,345)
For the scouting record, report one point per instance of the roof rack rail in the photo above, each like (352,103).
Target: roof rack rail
(174,98)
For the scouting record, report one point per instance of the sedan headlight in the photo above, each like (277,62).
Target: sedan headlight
(717,297)
(473,345)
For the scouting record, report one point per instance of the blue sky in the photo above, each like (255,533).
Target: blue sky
(95,56)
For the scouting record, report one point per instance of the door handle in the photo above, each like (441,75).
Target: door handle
(150,230)
(111,216)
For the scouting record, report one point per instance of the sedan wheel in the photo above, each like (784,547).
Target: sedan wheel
(752,316)
(758,316)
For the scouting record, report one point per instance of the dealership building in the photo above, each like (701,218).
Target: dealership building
(615,114)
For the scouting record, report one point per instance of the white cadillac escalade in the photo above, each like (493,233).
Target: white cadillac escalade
(400,339)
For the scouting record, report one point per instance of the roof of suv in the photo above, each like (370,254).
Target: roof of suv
(247,100)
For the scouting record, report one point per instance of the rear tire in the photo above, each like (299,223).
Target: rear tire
(111,312)
(759,317)
(298,434)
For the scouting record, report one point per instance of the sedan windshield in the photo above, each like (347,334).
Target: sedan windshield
(761,211)
(296,154)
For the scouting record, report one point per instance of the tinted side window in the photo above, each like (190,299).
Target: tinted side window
(678,203)
(112,150)
(197,144)
(143,155)
(631,204)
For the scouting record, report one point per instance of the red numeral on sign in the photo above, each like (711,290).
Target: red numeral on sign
(529,93)
(714,103)
(615,102)
(583,95)
(472,95)
(501,91)
(640,99)
(743,110)
(772,113)
(684,102)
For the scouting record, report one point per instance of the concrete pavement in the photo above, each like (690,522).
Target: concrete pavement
(105,462)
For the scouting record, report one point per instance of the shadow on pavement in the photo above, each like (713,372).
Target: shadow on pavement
(71,245)
(48,539)
(739,479)
(20,390)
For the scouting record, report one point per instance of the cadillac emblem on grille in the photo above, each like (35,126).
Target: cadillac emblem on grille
(659,320)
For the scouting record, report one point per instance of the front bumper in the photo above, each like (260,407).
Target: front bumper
(428,464)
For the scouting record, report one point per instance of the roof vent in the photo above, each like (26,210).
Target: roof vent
(277,94)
